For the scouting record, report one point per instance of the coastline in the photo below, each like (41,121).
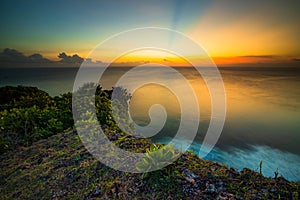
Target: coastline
(57,165)
(60,167)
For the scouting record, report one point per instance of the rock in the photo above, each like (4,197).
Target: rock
(190,180)
(113,190)
(210,188)
(264,191)
(220,186)
(189,174)
(226,196)
(182,159)
(274,191)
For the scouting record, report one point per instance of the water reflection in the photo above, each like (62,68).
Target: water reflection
(262,123)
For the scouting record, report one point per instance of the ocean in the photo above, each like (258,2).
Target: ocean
(263,111)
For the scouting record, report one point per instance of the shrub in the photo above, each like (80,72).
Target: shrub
(28,114)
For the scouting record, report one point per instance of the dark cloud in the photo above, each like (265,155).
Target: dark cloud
(11,57)
(70,59)
(14,56)
(38,58)
(296,59)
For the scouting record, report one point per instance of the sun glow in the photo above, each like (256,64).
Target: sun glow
(151,56)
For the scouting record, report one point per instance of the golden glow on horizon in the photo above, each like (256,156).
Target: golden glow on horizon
(151,56)
(161,57)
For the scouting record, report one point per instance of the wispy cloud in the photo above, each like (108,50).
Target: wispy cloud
(259,56)
(296,59)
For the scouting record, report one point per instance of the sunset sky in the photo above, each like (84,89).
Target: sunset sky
(231,31)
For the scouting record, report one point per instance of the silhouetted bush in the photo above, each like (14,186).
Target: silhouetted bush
(28,114)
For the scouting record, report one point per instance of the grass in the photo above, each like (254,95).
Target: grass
(61,168)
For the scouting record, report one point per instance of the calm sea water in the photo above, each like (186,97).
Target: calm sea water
(262,121)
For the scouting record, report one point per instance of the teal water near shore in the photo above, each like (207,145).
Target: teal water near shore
(263,111)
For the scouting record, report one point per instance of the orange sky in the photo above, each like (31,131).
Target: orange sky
(231,32)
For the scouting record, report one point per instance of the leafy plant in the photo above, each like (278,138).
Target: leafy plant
(157,157)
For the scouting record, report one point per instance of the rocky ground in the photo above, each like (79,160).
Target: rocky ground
(61,168)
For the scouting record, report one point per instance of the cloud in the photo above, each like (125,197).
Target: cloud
(130,64)
(14,56)
(260,56)
(70,59)
(167,60)
(97,63)
(38,58)
(296,59)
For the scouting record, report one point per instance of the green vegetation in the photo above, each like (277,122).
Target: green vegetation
(43,158)
(28,114)
(156,160)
